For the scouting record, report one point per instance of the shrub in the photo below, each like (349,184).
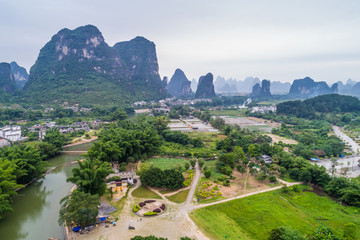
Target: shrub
(150,213)
(296,188)
(221,178)
(136,208)
(226,170)
(114,178)
(216,188)
(207,173)
(272,178)
(157,210)
(162,207)
(201,163)
(150,201)
(142,204)
(226,184)
(187,182)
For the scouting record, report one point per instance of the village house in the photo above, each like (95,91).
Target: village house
(11,133)
(4,142)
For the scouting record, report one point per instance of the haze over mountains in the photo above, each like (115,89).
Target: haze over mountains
(78,66)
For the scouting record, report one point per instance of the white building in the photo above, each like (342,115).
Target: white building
(11,133)
(4,142)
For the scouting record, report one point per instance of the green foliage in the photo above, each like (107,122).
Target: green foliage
(136,208)
(90,176)
(350,231)
(155,177)
(192,162)
(261,213)
(177,137)
(324,233)
(8,186)
(79,208)
(54,137)
(207,173)
(131,140)
(150,213)
(285,233)
(27,162)
(241,168)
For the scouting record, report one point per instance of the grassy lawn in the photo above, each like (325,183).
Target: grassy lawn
(229,112)
(144,192)
(255,216)
(179,197)
(214,172)
(165,163)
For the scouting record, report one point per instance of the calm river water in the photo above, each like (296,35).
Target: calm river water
(36,209)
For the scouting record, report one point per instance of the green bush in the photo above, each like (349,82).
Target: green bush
(272,178)
(136,208)
(221,178)
(150,213)
(207,173)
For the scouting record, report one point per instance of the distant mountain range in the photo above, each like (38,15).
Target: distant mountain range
(245,86)
(78,66)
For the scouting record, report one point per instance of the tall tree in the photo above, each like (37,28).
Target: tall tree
(90,176)
(79,208)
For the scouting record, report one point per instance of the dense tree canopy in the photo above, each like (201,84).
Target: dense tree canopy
(90,176)
(79,209)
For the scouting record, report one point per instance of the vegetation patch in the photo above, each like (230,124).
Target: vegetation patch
(144,192)
(255,216)
(179,197)
(165,163)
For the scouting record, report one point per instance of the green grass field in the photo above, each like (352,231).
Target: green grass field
(144,192)
(179,197)
(214,172)
(255,216)
(165,163)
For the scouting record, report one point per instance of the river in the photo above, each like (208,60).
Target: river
(36,209)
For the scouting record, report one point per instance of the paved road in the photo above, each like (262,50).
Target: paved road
(353,145)
(348,161)
(193,185)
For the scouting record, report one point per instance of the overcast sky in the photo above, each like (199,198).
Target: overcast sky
(280,40)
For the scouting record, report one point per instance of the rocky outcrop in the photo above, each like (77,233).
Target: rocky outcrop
(7,80)
(307,87)
(20,74)
(262,91)
(78,66)
(179,85)
(205,88)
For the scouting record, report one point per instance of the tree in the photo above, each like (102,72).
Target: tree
(239,154)
(54,137)
(193,162)
(241,169)
(8,186)
(252,151)
(173,179)
(79,209)
(334,163)
(119,115)
(90,176)
(207,173)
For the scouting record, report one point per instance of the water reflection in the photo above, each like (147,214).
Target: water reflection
(36,208)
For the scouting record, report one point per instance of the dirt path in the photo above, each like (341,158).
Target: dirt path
(246,179)
(175,192)
(193,185)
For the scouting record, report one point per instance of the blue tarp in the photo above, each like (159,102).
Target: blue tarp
(76,229)
(103,219)
(314,159)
